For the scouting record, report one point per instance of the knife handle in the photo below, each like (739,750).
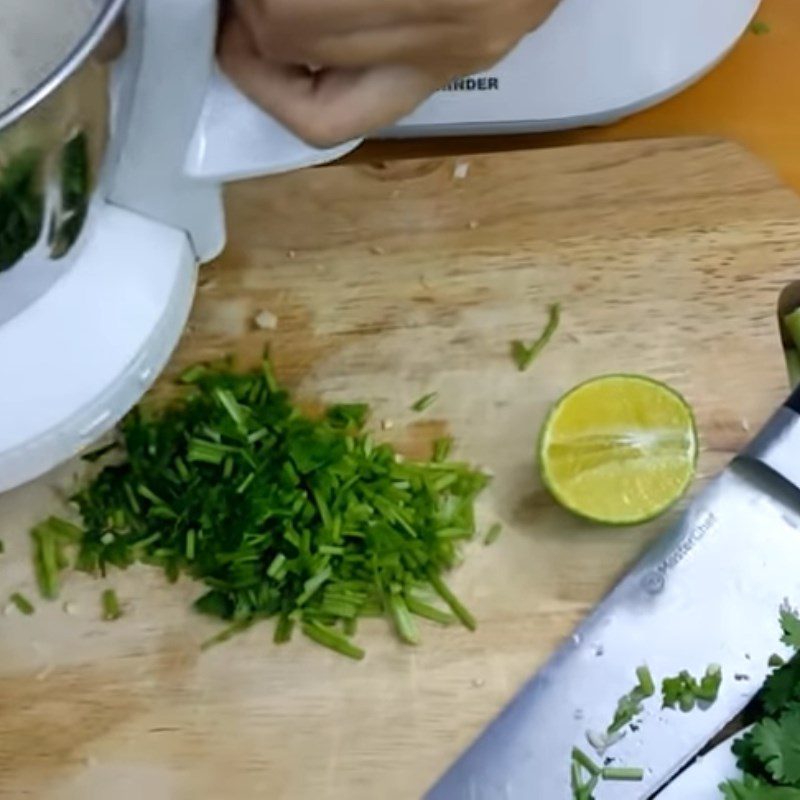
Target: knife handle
(777,445)
(793,402)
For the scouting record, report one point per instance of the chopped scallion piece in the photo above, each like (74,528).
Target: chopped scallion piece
(493,534)
(425,402)
(439,586)
(524,355)
(23,605)
(622,774)
(646,683)
(584,761)
(111,607)
(329,638)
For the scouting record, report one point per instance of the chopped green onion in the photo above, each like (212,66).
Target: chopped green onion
(584,761)
(313,584)
(332,640)
(404,622)
(306,519)
(622,774)
(227,634)
(193,374)
(283,629)
(646,683)
(439,586)
(422,609)
(228,402)
(524,355)
(22,604)
(441,448)
(493,534)
(111,607)
(424,402)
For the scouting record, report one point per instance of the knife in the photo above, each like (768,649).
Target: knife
(708,591)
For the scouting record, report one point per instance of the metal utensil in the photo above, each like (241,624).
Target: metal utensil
(52,144)
(708,591)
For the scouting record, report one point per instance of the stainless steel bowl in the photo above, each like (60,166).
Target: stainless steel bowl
(53,141)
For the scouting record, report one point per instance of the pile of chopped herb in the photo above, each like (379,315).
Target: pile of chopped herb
(278,514)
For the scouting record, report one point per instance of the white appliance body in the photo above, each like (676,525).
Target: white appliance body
(591,63)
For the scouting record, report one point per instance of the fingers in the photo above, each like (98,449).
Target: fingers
(405,43)
(328,107)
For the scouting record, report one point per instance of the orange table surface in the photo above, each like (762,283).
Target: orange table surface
(752,97)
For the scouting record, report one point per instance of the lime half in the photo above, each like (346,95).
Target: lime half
(619,449)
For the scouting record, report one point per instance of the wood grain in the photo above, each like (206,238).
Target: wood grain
(390,281)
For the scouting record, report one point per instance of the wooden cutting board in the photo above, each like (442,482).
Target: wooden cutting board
(388,282)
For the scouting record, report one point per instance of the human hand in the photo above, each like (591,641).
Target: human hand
(332,70)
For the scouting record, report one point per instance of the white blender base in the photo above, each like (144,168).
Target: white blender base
(591,63)
(83,354)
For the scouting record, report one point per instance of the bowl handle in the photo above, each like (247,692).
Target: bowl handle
(181,128)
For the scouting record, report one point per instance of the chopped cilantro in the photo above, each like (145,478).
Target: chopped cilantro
(759,28)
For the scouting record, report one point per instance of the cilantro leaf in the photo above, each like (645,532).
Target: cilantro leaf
(777,743)
(782,687)
(790,624)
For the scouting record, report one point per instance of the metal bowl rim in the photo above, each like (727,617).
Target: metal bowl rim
(71,64)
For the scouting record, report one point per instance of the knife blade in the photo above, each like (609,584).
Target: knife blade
(708,591)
